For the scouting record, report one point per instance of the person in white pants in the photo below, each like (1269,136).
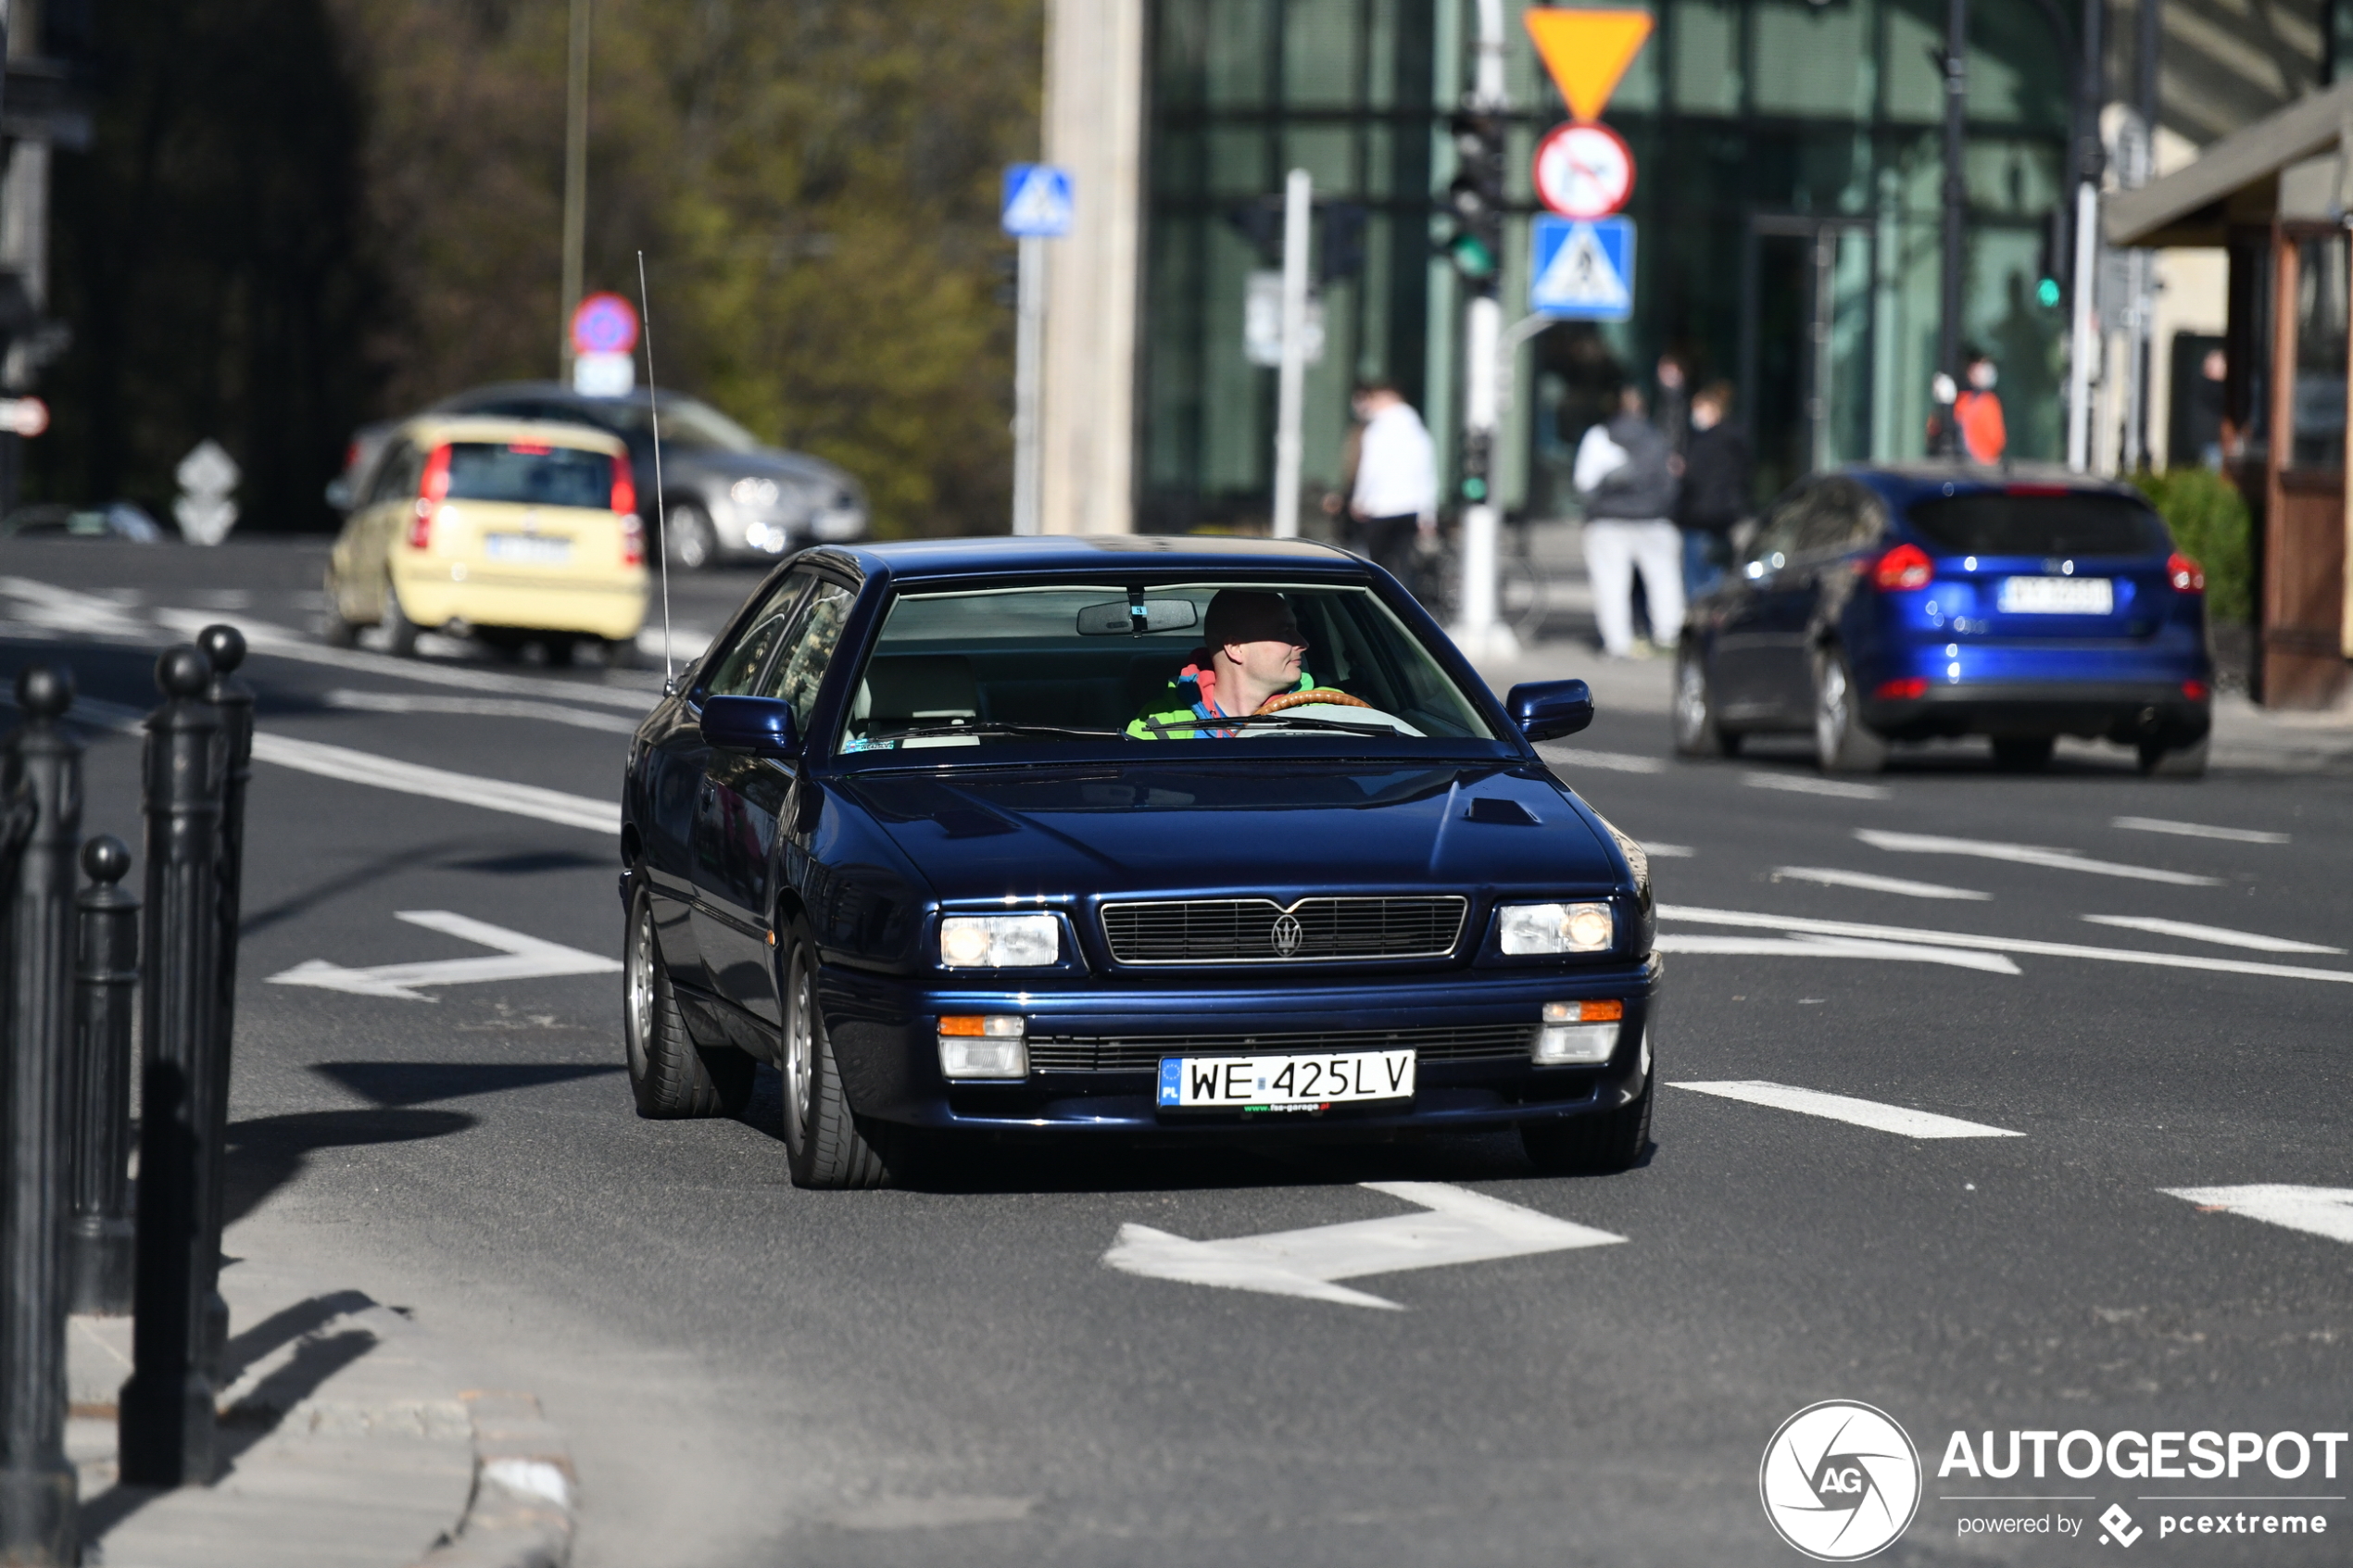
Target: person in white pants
(1623,473)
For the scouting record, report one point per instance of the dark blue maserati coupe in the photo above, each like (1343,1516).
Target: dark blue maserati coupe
(1119,837)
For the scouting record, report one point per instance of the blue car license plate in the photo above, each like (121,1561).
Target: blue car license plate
(2057,596)
(1284,1082)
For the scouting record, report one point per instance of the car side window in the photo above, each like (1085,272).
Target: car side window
(1845,517)
(1776,536)
(398,473)
(809,650)
(740,667)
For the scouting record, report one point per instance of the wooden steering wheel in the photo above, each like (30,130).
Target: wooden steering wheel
(1294,699)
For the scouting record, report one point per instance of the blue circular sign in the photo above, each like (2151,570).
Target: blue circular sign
(604,324)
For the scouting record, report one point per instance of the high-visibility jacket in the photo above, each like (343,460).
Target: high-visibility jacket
(1979,416)
(1180,712)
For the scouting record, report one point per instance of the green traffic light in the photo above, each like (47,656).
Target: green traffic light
(1473,489)
(2047,293)
(1472,256)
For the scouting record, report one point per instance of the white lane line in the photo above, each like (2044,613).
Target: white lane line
(2024,855)
(1452,1226)
(2221,936)
(2317,1210)
(438,783)
(521,958)
(1832,948)
(1670,851)
(482,707)
(2197,830)
(1615,761)
(1997,944)
(61,609)
(1799,784)
(1830,877)
(1870,1113)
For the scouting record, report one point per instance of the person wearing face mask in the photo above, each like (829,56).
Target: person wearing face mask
(1978,412)
(1714,498)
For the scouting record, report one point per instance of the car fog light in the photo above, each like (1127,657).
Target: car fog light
(999,941)
(1578,1032)
(988,1046)
(1556,928)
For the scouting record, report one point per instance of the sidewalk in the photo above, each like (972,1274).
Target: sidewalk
(347,1444)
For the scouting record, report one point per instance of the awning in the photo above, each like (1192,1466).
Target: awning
(2239,178)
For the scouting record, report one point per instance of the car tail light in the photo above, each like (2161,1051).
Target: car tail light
(2186,574)
(633,539)
(1916,685)
(429,494)
(625,487)
(1907,566)
(2194,690)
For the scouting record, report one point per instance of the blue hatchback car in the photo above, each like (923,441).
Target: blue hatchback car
(1881,604)
(979,837)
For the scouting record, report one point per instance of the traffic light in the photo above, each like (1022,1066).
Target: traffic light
(2051,266)
(1476,198)
(1343,251)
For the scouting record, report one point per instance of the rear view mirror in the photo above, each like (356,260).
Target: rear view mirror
(1133,617)
(762,725)
(1548,709)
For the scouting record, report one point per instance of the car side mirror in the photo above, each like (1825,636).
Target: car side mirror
(762,725)
(1548,709)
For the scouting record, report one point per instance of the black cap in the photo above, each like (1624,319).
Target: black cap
(1246,615)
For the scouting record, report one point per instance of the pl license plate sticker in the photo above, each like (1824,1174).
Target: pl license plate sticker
(529,548)
(2058,595)
(1284,1082)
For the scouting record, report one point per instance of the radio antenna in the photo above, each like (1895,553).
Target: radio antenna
(661,509)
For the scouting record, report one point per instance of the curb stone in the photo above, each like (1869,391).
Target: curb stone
(519,1513)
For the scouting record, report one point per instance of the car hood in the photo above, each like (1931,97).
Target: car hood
(1283,831)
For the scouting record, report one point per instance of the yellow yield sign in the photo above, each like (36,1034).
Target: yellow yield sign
(1588,53)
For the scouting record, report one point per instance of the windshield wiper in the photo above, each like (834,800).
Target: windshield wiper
(993,727)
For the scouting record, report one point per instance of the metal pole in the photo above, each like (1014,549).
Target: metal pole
(38,1519)
(1291,378)
(167,1428)
(1948,339)
(1029,349)
(2083,342)
(99,1233)
(2152,42)
(1477,632)
(576,181)
(224,649)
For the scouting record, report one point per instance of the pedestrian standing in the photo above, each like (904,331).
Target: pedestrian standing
(1622,472)
(1714,498)
(1674,405)
(1395,499)
(1978,413)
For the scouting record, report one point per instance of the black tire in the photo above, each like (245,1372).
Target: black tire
(1696,730)
(1592,1146)
(689,537)
(560,646)
(823,1146)
(334,630)
(400,633)
(1843,742)
(2023,754)
(2174,761)
(621,653)
(672,1078)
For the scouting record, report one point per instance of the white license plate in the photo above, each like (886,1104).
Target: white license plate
(1284,1082)
(2058,595)
(529,548)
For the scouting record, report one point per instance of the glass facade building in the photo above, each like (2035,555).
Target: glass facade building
(1788,206)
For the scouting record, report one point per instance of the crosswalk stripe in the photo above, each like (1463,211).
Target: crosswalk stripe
(1896,1119)
(2220,936)
(2025,855)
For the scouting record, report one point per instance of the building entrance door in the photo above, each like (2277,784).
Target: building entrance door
(1805,342)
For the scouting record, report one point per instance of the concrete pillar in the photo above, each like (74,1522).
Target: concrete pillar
(1094,126)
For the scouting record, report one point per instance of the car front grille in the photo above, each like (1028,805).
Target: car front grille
(1180,931)
(1129,1053)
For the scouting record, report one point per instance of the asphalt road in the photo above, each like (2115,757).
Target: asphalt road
(751,1375)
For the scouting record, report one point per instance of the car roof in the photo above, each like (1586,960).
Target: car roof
(1900,484)
(1090,556)
(553,391)
(434,429)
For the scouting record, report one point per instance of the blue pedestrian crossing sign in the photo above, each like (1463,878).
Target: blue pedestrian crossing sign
(1036,201)
(1583,269)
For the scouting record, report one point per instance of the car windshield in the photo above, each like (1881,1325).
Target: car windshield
(529,473)
(1122,662)
(2000,523)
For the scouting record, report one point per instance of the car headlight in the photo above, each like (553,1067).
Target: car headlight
(760,494)
(999,941)
(1556,928)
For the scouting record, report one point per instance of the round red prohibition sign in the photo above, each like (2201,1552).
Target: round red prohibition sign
(1584,171)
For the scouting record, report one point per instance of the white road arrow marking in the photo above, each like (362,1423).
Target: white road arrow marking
(1457,1226)
(2220,935)
(1903,887)
(2197,830)
(1897,1119)
(522,958)
(2318,1210)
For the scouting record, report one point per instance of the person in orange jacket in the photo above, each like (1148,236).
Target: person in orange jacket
(1978,410)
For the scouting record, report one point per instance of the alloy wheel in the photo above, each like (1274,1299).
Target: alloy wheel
(1690,702)
(1833,712)
(639,993)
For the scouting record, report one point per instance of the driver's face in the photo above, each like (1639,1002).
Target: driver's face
(1273,662)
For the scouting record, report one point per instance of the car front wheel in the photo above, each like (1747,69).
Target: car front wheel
(1843,743)
(822,1145)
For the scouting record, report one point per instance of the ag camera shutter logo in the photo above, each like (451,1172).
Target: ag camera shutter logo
(1841,1481)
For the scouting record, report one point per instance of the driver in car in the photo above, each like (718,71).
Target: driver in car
(1253,654)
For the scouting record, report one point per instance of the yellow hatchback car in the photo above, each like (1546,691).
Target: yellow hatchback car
(510,531)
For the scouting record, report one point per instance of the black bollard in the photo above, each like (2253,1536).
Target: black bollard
(37,1485)
(105,981)
(166,1427)
(224,649)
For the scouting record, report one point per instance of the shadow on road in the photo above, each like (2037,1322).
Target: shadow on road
(268,1151)
(390,1084)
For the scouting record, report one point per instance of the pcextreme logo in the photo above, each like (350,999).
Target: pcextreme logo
(1841,1481)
